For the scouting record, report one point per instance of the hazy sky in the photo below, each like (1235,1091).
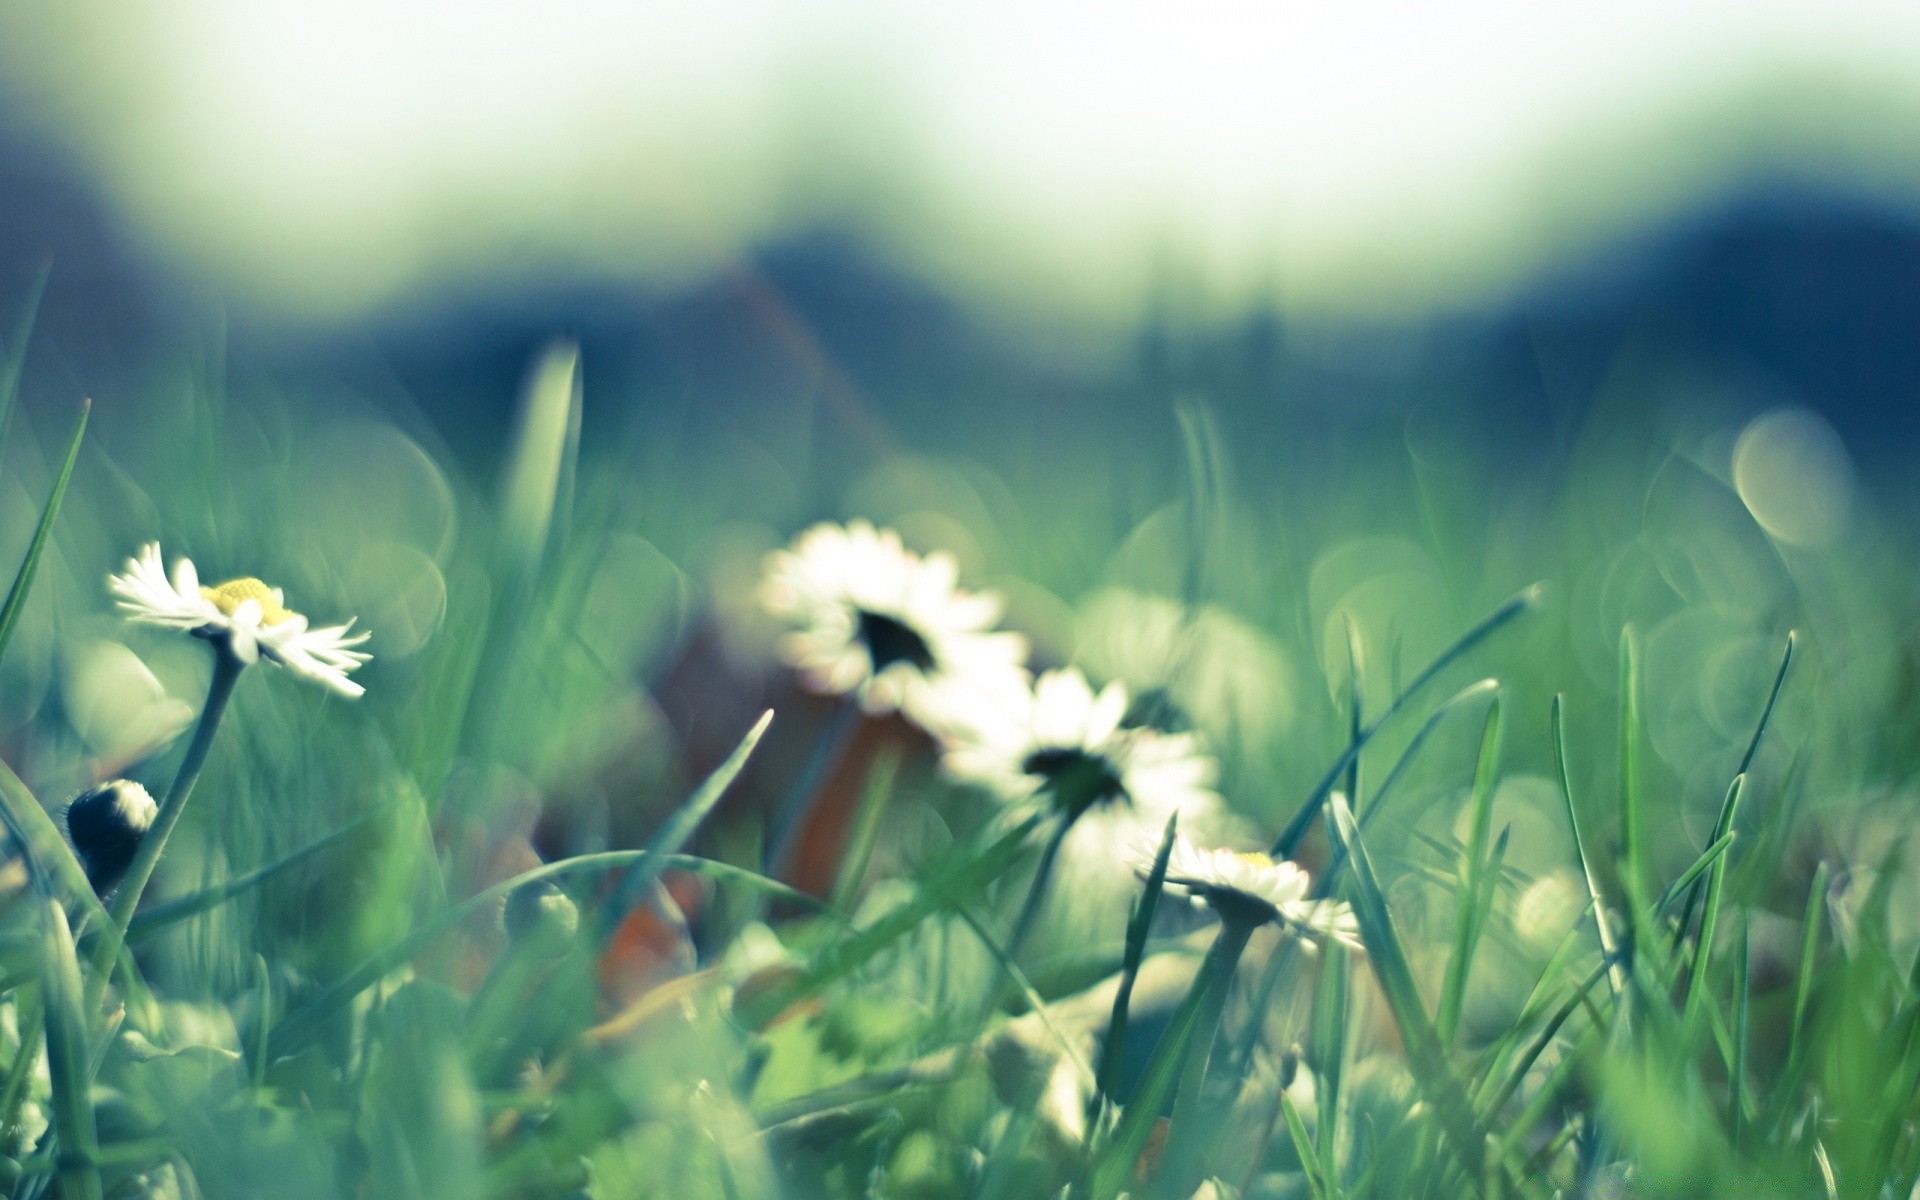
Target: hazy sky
(1067,158)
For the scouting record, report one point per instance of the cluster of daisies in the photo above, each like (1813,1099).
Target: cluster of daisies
(892,630)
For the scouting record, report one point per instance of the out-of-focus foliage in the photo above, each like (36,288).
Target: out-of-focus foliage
(566,645)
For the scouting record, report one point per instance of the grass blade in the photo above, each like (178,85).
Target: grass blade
(1329,1043)
(299,1027)
(1113,1167)
(1710,917)
(866,829)
(1035,1002)
(1425,1054)
(161,917)
(16,353)
(1302,819)
(1633,869)
(68,1061)
(1725,820)
(545,439)
(1602,922)
(957,883)
(23,579)
(670,837)
(1473,880)
(1139,925)
(1311,1167)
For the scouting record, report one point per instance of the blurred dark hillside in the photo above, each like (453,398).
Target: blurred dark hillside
(1782,293)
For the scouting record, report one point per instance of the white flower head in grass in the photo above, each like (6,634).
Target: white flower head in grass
(1065,744)
(876,620)
(1254,889)
(250,619)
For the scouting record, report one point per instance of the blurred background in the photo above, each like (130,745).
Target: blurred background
(1624,298)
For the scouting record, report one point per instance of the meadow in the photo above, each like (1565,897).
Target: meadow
(1081,801)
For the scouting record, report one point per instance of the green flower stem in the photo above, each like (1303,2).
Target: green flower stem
(1186,1136)
(226,672)
(1037,890)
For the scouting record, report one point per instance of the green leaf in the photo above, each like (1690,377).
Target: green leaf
(23,579)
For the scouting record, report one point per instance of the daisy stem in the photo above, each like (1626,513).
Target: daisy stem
(1037,890)
(790,816)
(1186,1139)
(226,672)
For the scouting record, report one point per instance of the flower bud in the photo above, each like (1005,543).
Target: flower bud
(105,824)
(540,914)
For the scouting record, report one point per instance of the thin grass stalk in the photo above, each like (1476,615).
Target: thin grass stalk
(30,565)
(1139,926)
(226,673)
(1037,889)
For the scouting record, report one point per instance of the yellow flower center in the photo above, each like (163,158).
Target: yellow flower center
(1254,858)
(229,596)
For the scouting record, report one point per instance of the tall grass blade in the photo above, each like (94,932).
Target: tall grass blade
(1425,1054)
(866,830)
(1602,922)
(1113,1166)
(1473,879)
(1710,918)
(1737,1071)
(23,578)
(545,439)
(1329,1048)
(16,349)
(1633,849)
(1139,926)
(68,1061)
(670,837)
(1303,818)
(1311,1166)
(1725,819)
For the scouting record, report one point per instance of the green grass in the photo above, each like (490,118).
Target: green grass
(1647,926)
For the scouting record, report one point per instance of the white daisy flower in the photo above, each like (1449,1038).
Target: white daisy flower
(1253,888)
(1064,744)
(251,619)
(877,620)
